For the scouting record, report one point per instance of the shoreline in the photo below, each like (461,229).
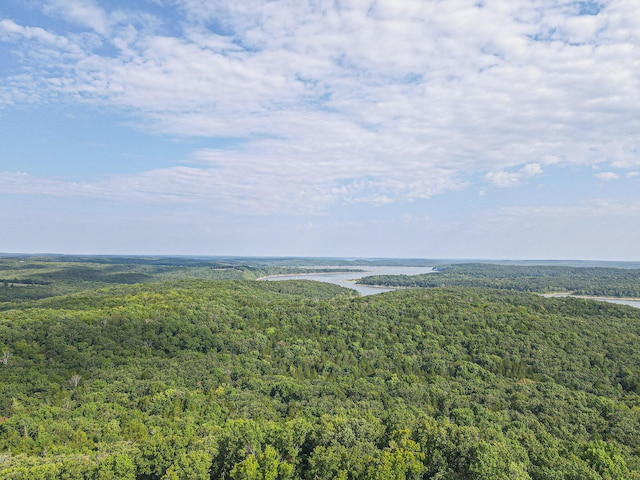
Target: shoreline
(267,277)
(545,295)
(381,286)
(589,297)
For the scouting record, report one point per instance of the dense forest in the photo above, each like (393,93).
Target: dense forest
(240,379)
(575,280)
(35,277)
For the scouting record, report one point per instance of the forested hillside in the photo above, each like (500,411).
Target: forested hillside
(593,281)
(198,379)
(34,277)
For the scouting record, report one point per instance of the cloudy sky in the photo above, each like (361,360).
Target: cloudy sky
(370,128)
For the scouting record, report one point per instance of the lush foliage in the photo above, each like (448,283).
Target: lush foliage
(32,277)
(198,379)
(594,281)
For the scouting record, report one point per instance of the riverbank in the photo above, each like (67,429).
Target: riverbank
(629,301)
(588,297)
(306,274)
(349,278)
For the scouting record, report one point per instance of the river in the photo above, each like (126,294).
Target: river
(348,279)
(621,301)
(631,303)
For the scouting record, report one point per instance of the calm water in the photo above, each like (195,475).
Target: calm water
(631,303)
(349,279)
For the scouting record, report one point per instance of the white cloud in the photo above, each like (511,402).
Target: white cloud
(358,101)
(607,176)
(9,30)
(288,179)
(86,13)
(513,179)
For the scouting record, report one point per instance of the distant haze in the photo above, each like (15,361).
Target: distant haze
(384,128)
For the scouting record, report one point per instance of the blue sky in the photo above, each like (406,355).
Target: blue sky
(390,128)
